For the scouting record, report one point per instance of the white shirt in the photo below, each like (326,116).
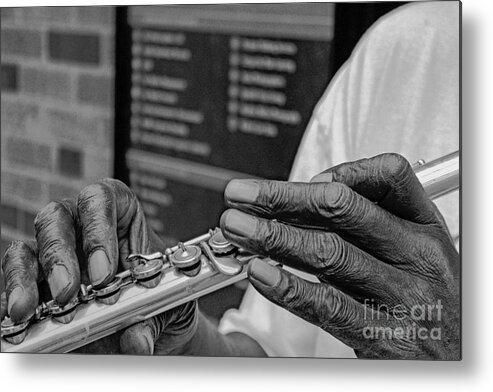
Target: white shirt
(399,92)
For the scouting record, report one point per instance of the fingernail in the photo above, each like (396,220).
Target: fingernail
(99,267)
(239,223)
(264,273)
(323,177)
(16,296)
(243,191)
(59,281)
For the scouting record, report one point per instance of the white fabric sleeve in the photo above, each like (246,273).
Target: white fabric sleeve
(399,92)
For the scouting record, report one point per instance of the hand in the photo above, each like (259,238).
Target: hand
(388,270)
(88,240)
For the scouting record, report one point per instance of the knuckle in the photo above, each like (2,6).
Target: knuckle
(334,256)
(295,294)
(336,310)
(334,195)
(273,238)
(46,214)
(433,254)
(274,195)
(91,192)
(53,212)
(16,252)
(117,186)
(53,226)
(338,201)
(113,182)
(95,205)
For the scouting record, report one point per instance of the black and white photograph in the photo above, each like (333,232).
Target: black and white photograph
(232,180)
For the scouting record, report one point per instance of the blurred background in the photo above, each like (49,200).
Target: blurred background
(173,100)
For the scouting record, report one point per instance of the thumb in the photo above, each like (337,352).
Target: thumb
(389,180)
(139,338)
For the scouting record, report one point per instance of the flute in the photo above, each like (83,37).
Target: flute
(159,282)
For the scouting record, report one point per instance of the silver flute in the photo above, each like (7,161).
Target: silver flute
(162,281)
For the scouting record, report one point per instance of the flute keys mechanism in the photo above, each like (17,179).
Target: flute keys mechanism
(14,333)
(225,264)
(110,294)
(64,314)
(220,245)
(187,259)
(148,272)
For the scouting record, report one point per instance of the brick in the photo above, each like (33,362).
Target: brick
(95,90)
(8,15)
(9,216)
(70,162)
(46,83)
(78,48)
(22,187)
(9,77)
(18,218)
(18,116)
(95,16)
(74,127)
(59,191)
(27,153)
(21,42)
(27,222)
(108,50)
(98,165)
(46,14)
(4,245)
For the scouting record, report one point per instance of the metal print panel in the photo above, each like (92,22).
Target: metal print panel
(249,180)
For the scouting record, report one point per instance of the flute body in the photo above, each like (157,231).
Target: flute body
(160,282)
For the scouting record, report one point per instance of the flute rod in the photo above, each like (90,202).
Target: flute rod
(440,176)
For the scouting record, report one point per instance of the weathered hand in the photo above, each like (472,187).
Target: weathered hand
(88,240)
(388,270)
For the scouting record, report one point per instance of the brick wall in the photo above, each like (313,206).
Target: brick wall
(56,108)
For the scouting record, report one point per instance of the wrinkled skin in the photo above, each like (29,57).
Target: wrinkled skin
(87,240)
(366,229)
(377,244)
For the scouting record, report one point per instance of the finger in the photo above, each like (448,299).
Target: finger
(319,304)
(390,181)
(332,207)
(326,255)
(96,207)
(56,238)
(164,334)
(140,338)
(108,211)
(20,268)
(132,229)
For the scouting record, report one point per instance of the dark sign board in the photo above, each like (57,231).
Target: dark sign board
(219,92)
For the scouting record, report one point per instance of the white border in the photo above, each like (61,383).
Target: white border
(79,373)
